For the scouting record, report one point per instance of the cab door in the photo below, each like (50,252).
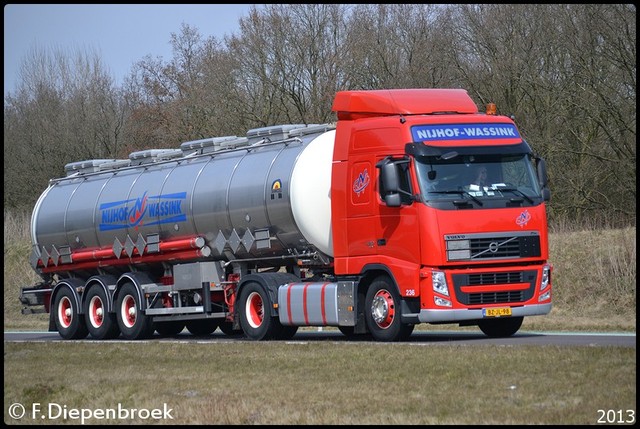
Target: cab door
(398,228)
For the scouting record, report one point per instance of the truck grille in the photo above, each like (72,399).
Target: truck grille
(492,246)
(503,296)
(495,278)
(494,297)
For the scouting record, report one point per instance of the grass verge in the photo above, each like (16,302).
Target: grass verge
(307,383)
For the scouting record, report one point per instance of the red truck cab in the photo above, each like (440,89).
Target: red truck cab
(412,214)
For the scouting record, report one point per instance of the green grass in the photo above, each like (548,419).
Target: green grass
(325,383)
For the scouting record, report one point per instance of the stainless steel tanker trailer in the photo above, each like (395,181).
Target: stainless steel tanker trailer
(166,234)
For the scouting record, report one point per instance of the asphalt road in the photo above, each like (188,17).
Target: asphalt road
(424,338)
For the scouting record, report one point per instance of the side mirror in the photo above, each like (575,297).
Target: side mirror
(390,182)
(390,179)
(542,172)
(542,179)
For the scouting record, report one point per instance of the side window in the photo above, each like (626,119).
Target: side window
(402,169)
(515,173)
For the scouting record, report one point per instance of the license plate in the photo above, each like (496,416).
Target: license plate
(496,312)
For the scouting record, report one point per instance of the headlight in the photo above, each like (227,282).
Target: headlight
(546,276)
(439,283)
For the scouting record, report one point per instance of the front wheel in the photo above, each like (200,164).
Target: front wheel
(133,323)
(382,313)
(69,323)
(500,328)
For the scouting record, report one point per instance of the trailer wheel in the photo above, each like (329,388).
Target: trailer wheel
(500,328)
(382,313)
(133,323)
(101,324)
(202,327)
(69,323)
(255,319)
(169,329)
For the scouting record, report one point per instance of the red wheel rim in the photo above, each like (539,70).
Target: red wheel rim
(383,309)
(255,310)
(128,311)
(96,312)
(65,312)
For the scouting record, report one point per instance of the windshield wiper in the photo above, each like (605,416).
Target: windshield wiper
(458,191)
(515,191)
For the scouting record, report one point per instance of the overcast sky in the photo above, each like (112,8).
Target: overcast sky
(121,34)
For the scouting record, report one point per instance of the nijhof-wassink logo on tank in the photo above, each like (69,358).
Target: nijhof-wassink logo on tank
(145,210)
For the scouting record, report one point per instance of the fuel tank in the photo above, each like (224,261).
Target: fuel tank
(263,195)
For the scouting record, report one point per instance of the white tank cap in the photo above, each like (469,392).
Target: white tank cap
(311,192)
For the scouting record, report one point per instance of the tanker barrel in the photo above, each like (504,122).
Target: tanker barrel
(261,196)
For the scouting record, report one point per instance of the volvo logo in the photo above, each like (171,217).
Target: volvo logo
(493,247)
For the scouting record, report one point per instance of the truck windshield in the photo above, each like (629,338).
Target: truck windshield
(478,177)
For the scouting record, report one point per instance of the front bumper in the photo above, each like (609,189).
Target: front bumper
(444,315)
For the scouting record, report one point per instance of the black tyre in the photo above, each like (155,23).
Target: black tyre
(169,329)
(382,312)
(202,327)
(101,324)
(255,318)
(500,328)
(133,323)
(69,323)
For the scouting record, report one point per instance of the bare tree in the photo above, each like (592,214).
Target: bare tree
(289,60)
(184,98)
(396,46)
(65,109)
(601,141)
(567,73)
